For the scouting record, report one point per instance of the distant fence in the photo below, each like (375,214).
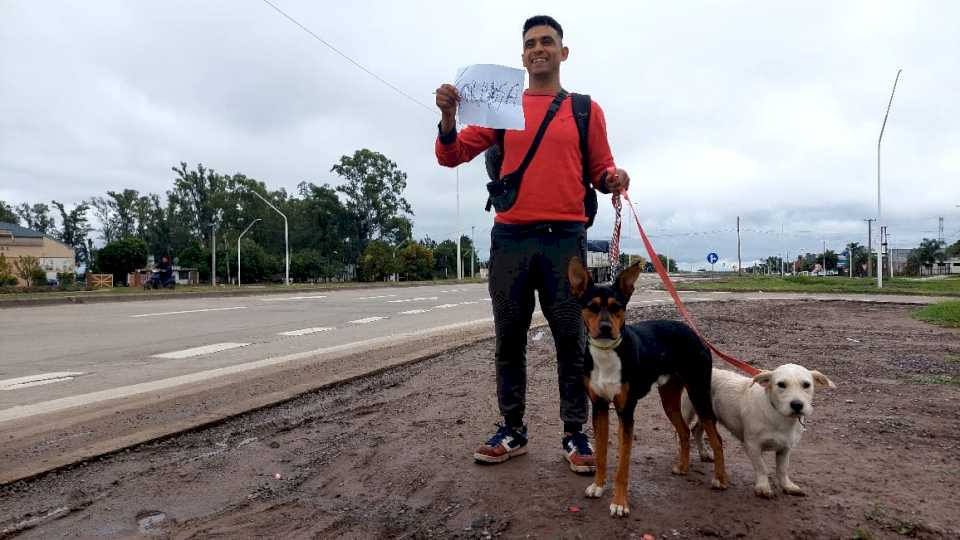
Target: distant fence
(100,281)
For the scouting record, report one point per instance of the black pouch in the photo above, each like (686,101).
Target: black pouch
(503,192)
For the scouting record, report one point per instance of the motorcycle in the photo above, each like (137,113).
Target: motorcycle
(157,282)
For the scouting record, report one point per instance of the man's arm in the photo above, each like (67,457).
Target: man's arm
(604,172)
(454,148)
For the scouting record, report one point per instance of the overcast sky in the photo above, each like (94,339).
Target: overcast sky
(717,109)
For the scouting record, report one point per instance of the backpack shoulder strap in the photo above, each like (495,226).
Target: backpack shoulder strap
(581,113)
(500,134)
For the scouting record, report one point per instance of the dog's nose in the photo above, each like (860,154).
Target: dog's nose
(796,405)
(606,328)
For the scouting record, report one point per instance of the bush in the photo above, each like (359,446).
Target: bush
(196,256)
(38,278)
(66,279)
(121,257)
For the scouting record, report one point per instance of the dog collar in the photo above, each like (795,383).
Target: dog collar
(613,345)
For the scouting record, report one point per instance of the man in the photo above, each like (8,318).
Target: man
(533,241)
(165,269)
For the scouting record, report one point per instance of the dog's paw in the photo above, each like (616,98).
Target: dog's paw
(594,491)
(678,470)
(763,491)
(619,510)
(793,489)
(718,484)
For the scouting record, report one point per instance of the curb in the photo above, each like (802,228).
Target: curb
(160,295)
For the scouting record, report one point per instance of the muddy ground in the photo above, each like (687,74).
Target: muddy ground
(389,456)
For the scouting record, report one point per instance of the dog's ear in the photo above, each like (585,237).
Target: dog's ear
(763,378)
(578,276)
(627,278)
(821,381)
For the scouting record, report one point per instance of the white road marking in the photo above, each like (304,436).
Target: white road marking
(188,311)
(316,296)
(366,321)
(197,351)
(305,331)
(444,306)
(376,297)
(417,299)
(25,411)
(38,380)
(455,290)
(467,303)
(414,311)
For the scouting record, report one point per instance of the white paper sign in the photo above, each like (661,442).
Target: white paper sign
(491,96)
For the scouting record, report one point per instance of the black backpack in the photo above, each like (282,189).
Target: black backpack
(493,157)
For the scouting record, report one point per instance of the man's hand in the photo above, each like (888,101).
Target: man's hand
(617,180)
(447,99)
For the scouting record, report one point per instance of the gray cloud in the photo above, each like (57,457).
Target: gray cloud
(717,109)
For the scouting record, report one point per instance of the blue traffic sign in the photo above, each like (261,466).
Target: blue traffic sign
(712,257)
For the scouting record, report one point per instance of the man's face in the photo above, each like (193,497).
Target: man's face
(543,51)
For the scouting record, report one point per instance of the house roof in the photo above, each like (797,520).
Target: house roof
(17,230)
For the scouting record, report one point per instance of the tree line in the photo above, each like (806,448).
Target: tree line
(361,228)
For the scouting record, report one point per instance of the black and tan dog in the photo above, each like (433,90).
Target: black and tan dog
(623,363)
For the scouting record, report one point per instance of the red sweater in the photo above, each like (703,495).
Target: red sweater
(552,189)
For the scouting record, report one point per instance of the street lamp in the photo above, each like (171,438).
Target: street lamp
(252,223)
(879,140)
(286,235)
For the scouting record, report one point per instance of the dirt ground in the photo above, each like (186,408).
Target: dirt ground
(389,456)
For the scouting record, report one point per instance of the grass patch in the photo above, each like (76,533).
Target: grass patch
(943,314)
(937,379)
(832,284)
(952,359)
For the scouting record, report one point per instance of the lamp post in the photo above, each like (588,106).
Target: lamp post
(879,140)
(252,223)
(286,236)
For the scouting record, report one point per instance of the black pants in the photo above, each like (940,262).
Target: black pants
(524,259)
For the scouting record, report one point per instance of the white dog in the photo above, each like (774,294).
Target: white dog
(764,413)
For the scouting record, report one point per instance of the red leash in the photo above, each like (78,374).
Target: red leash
(747,368)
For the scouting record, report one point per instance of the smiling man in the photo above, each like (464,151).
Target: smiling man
(533,240)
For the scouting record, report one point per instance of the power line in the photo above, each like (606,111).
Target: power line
(347,58)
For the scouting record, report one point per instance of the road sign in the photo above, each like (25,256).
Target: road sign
(712,257)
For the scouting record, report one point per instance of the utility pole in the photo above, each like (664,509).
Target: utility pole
(213,253)
(869,246)
(824,258)
(889,255)
(459,260)
(940,230)
(473,249)
(850,258)
(879,213)
(739,262)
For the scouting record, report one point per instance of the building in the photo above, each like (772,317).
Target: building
(54,256)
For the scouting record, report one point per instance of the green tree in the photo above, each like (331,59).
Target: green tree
(415,261)
(373,188)
(74,230)
(198,196)
(195,256)
(445,260)
(28,269)
(255,263)
(36,217)
(7,214)
(121,257)
(7,277)
(953,250)
(377,262)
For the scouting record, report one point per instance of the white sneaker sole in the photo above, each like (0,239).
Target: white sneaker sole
(500,459)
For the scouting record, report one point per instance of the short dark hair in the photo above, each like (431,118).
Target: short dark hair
(541,20)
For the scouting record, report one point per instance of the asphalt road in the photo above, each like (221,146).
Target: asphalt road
(56,357)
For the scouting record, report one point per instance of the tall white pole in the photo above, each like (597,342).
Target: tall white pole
(213,252)
(252,223)
(879,140)
(473,249)
(459,260)
(286,236)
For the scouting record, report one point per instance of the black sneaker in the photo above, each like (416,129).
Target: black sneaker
(579,453)
(506,443)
